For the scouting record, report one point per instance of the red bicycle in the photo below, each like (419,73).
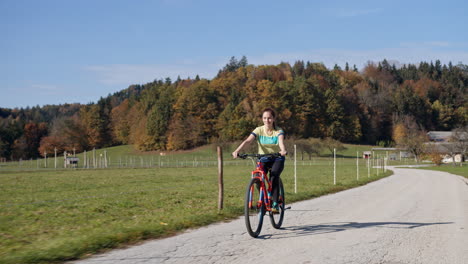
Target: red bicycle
(258,198)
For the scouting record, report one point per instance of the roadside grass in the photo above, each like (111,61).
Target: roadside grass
(51,216)
(458,170)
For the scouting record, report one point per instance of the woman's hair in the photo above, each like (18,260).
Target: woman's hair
(273,113)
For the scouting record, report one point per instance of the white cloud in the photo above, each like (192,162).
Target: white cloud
(427,44)
(126,74)
(438,43)
(404,55)
(350,12)
(357,12)
(31,89)
(45,87)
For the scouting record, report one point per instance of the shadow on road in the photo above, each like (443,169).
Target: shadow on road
(306,230)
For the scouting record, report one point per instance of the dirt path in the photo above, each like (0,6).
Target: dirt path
(414,216)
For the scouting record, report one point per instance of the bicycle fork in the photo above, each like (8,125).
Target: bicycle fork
(262,199)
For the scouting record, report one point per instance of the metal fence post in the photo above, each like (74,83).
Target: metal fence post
(220,178)
(295,169)
(357,165)
(334,166)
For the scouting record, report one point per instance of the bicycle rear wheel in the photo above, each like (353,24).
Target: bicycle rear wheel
(254,209)
(277,219)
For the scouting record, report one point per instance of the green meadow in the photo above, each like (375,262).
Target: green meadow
(458,170)
(55,215)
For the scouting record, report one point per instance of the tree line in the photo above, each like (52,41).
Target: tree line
(311,101)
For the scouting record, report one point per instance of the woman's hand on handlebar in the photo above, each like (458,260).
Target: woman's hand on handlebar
(235,154)
(283,153)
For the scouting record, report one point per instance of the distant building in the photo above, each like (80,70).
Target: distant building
(441,142)
(439,136)
(445,136)
(73,161)
(366,154)
(449,159)
(406,154)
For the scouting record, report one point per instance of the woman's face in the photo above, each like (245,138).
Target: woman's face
(268,119)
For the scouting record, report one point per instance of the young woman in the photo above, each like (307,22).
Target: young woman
(270,139)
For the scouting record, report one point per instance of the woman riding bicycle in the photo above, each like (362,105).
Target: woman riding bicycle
(270,139)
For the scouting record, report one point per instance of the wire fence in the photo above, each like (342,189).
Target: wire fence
(126,161)
(118,162)
(316,170)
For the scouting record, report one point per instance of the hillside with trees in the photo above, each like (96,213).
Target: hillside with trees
(312,101)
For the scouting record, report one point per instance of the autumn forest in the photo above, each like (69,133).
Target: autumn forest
(312,101)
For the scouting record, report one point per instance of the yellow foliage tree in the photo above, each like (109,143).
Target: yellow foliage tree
(399,132)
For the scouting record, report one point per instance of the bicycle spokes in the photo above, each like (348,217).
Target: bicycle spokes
(254,208)
(277,219)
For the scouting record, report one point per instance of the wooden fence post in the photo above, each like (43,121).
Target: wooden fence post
(220,178)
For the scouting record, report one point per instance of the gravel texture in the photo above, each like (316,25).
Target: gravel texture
(413,216)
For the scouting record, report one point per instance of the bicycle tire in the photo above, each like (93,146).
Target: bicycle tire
(254,209)
(277,219)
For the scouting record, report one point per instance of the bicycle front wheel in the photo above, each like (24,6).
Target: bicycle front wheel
(254,209)
(277,219)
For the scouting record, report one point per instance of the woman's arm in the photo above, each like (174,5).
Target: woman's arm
(283,151)
(249,140)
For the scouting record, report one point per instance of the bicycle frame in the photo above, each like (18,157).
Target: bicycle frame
(264,191)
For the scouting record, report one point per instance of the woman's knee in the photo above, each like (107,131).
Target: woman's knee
(277,169)
(275,173)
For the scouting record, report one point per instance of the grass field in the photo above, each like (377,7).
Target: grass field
(58,215)
(458,170)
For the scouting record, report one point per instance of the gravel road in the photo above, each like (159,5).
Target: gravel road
(414,216)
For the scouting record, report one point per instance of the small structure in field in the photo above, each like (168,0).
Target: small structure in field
(71,162)
(366,154)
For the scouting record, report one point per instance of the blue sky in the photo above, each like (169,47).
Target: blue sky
(56,52)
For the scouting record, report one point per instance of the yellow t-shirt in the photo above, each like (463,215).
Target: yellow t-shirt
(267,144)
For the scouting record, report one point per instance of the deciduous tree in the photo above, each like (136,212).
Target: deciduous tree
(332,144)
(413,138)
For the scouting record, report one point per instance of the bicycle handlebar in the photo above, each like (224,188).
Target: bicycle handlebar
(273,155)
